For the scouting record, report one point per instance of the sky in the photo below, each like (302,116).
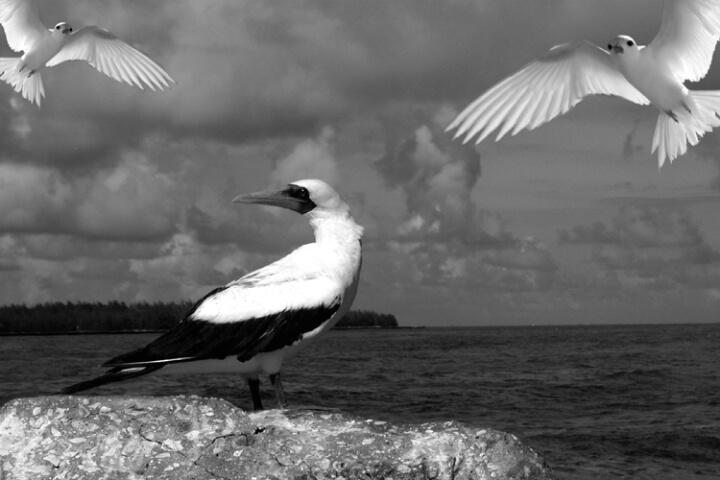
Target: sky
(113,193)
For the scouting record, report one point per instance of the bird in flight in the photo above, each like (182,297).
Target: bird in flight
(44,47)
(654,74)
(250,325)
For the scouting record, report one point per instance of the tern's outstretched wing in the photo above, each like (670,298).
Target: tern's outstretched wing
(544,89)
(687,37)
(113,57)
(22,25)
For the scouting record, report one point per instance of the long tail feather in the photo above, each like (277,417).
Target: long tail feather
(114,375)
(672,136)
(29,85)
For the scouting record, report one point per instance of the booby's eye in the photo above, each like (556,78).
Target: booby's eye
(303,193)
(629,43)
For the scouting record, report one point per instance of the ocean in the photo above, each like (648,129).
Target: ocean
(598,402)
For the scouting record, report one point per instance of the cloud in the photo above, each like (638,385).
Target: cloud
(641,227)
(311,158)
(132,201)
(443,239)
(654,248)
(437,178)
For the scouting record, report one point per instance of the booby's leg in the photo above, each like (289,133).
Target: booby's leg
(279,393)
(254,384)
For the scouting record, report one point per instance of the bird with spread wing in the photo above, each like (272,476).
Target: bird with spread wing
(44,47)
(654,74)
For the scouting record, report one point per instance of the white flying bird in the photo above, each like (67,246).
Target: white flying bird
(250,325)
(46,48)
(654,74)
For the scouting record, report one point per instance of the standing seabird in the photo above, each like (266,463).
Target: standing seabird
(45,47)
(654,74)
(252,324)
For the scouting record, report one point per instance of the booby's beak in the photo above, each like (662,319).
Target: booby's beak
(293,198)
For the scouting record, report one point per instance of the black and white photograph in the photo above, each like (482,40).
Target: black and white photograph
(360,239)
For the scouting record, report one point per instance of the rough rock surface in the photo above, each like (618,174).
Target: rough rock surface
(66,437)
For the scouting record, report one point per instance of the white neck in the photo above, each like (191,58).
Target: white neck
(337,228)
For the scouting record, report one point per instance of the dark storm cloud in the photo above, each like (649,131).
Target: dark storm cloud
(274,68)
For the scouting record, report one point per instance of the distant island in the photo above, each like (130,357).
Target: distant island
(119,317)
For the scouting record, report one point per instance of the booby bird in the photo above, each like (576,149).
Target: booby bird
(44,47)
(654,74)
(252,324)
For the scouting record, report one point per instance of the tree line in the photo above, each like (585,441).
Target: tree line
(121,317)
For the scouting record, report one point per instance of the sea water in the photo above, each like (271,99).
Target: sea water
(598,402)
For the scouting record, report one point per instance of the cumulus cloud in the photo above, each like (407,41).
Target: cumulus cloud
(311,158)
(437,178)
(129,202)
(443,237)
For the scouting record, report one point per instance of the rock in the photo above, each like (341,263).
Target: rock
(71,437)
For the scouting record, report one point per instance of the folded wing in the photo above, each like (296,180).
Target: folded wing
(269,309)
(543,90)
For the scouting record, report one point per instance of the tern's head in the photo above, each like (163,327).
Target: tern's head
(303,196)
(63,28)
(622,44)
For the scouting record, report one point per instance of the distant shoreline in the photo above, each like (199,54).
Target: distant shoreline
(139,332)
(127,318)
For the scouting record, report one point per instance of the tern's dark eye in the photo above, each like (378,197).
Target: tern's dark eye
(57,27)
(629,43)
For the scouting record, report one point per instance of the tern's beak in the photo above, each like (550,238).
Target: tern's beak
(286,198)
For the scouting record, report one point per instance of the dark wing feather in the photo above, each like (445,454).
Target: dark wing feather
(111,376)
(194,339)
(294,325)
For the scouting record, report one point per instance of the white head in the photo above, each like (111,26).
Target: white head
(623,45)
(63,29)
(316,200)
(303,196)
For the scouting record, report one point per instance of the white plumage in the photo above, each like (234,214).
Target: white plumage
(47,48)
(252,324)
(554,83)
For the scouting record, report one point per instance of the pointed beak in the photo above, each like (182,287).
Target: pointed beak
(282,198)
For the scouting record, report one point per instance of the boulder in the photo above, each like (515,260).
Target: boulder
(73,437)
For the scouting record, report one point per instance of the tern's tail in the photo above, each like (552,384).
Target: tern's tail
(672,136)
(28,84)
(117,374)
